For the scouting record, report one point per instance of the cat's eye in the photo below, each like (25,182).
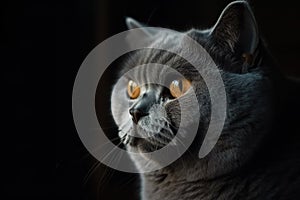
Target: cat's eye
(179,87)
(133,89)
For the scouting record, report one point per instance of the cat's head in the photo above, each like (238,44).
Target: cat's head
(151,111)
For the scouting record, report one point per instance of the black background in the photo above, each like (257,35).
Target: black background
(38,37)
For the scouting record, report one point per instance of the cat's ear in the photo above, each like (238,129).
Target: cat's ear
(132,23)
(236,29)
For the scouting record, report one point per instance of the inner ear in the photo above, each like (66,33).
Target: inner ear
(236,29)
(132,24)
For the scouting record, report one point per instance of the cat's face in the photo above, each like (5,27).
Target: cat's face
(145,101)
(151,101)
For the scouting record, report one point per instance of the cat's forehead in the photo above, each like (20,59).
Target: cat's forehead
(155,65)
(153,73)
(167,40)
(177,42)
(167,49)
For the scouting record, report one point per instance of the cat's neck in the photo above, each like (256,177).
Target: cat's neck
(183,179)
(177,185)
(157,186)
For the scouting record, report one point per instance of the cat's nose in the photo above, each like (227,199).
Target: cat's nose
(136,114)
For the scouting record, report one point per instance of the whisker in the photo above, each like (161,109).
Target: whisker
(88,154)
(184,167)
(187,149)
(96,165)
(91,171)
(110,152)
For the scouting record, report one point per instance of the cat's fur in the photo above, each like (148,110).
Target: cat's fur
(256,156)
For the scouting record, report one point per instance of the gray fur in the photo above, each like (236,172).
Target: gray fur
(235,169)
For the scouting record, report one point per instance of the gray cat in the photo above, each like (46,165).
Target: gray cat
(256,156)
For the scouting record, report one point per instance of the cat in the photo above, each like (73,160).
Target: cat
(256,156)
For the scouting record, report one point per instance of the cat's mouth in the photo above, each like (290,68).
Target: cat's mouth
(150,137)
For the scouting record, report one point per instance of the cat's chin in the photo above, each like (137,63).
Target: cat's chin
(143,145)
(149,144)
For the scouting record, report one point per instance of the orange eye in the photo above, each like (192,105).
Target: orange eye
(179,87)
(133,89)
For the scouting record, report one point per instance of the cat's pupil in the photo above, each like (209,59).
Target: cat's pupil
(180,85)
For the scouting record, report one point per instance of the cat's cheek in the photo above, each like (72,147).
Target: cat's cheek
(120,106)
